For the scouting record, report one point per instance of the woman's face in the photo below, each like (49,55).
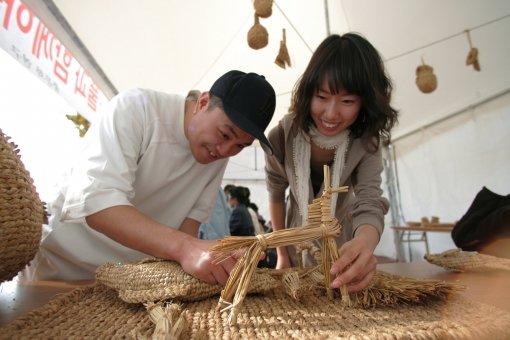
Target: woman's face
(334,113)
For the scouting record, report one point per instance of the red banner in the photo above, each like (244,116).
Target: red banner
(28,40)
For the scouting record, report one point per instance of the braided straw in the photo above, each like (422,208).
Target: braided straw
(459,260)
(21,212)
(154,280)
(283,57)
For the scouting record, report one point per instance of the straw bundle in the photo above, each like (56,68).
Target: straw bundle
(257,35)
(472,57)
(459,260)
(425,78)
(21,212)
(283,58)
(169,321)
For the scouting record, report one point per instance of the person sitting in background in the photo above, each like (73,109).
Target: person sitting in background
(226,190)
(218,227)
(241,223)
(254,212)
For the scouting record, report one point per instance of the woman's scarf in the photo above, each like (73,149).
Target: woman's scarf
(302,164)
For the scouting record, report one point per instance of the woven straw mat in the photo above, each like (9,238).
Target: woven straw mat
(100,310)
(158,280)
(21,212)
(459,260)
(97,312)
(154,280)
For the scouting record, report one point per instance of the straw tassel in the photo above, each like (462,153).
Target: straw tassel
(283,58)
(168,319)
(472,57)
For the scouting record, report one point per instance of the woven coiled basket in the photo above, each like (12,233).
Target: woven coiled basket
(21,212)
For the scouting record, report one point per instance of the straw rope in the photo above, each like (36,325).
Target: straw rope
(21,212)
(97,312)
(459,260)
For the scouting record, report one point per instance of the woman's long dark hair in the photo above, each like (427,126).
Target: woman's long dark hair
(351,63)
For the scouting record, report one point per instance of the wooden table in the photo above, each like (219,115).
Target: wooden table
(405,235)
(17,299)
(489,287)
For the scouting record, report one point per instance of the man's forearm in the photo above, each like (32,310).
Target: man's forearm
(129,227)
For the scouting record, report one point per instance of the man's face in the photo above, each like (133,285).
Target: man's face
(212,135)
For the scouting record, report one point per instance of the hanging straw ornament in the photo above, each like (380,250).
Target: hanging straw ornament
(283,58)
(81,123)
(425,78)
(257,35)
(472,57)
(263,8)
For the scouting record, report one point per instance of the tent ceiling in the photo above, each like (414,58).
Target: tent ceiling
(175,46)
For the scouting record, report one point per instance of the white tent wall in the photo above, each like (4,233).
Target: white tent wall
(441,168)
(448,143)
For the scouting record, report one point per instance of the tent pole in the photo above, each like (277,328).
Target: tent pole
(397,217)
(326,15)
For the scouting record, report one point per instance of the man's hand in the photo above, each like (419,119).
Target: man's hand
(150,237)
(199,262)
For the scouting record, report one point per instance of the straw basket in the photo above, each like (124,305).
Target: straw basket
(263,8)
(425,78)
(21,212)
(257,35)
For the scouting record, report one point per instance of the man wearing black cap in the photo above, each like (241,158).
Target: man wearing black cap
(149,176)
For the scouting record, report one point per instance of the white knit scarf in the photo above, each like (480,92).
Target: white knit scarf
(302,164)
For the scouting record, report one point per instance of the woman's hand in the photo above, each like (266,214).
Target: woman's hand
(357,264)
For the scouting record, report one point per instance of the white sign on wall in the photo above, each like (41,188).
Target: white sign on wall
(28,40)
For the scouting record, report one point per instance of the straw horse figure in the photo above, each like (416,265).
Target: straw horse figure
(321,225)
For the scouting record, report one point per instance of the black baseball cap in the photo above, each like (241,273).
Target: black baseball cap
(249,102)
